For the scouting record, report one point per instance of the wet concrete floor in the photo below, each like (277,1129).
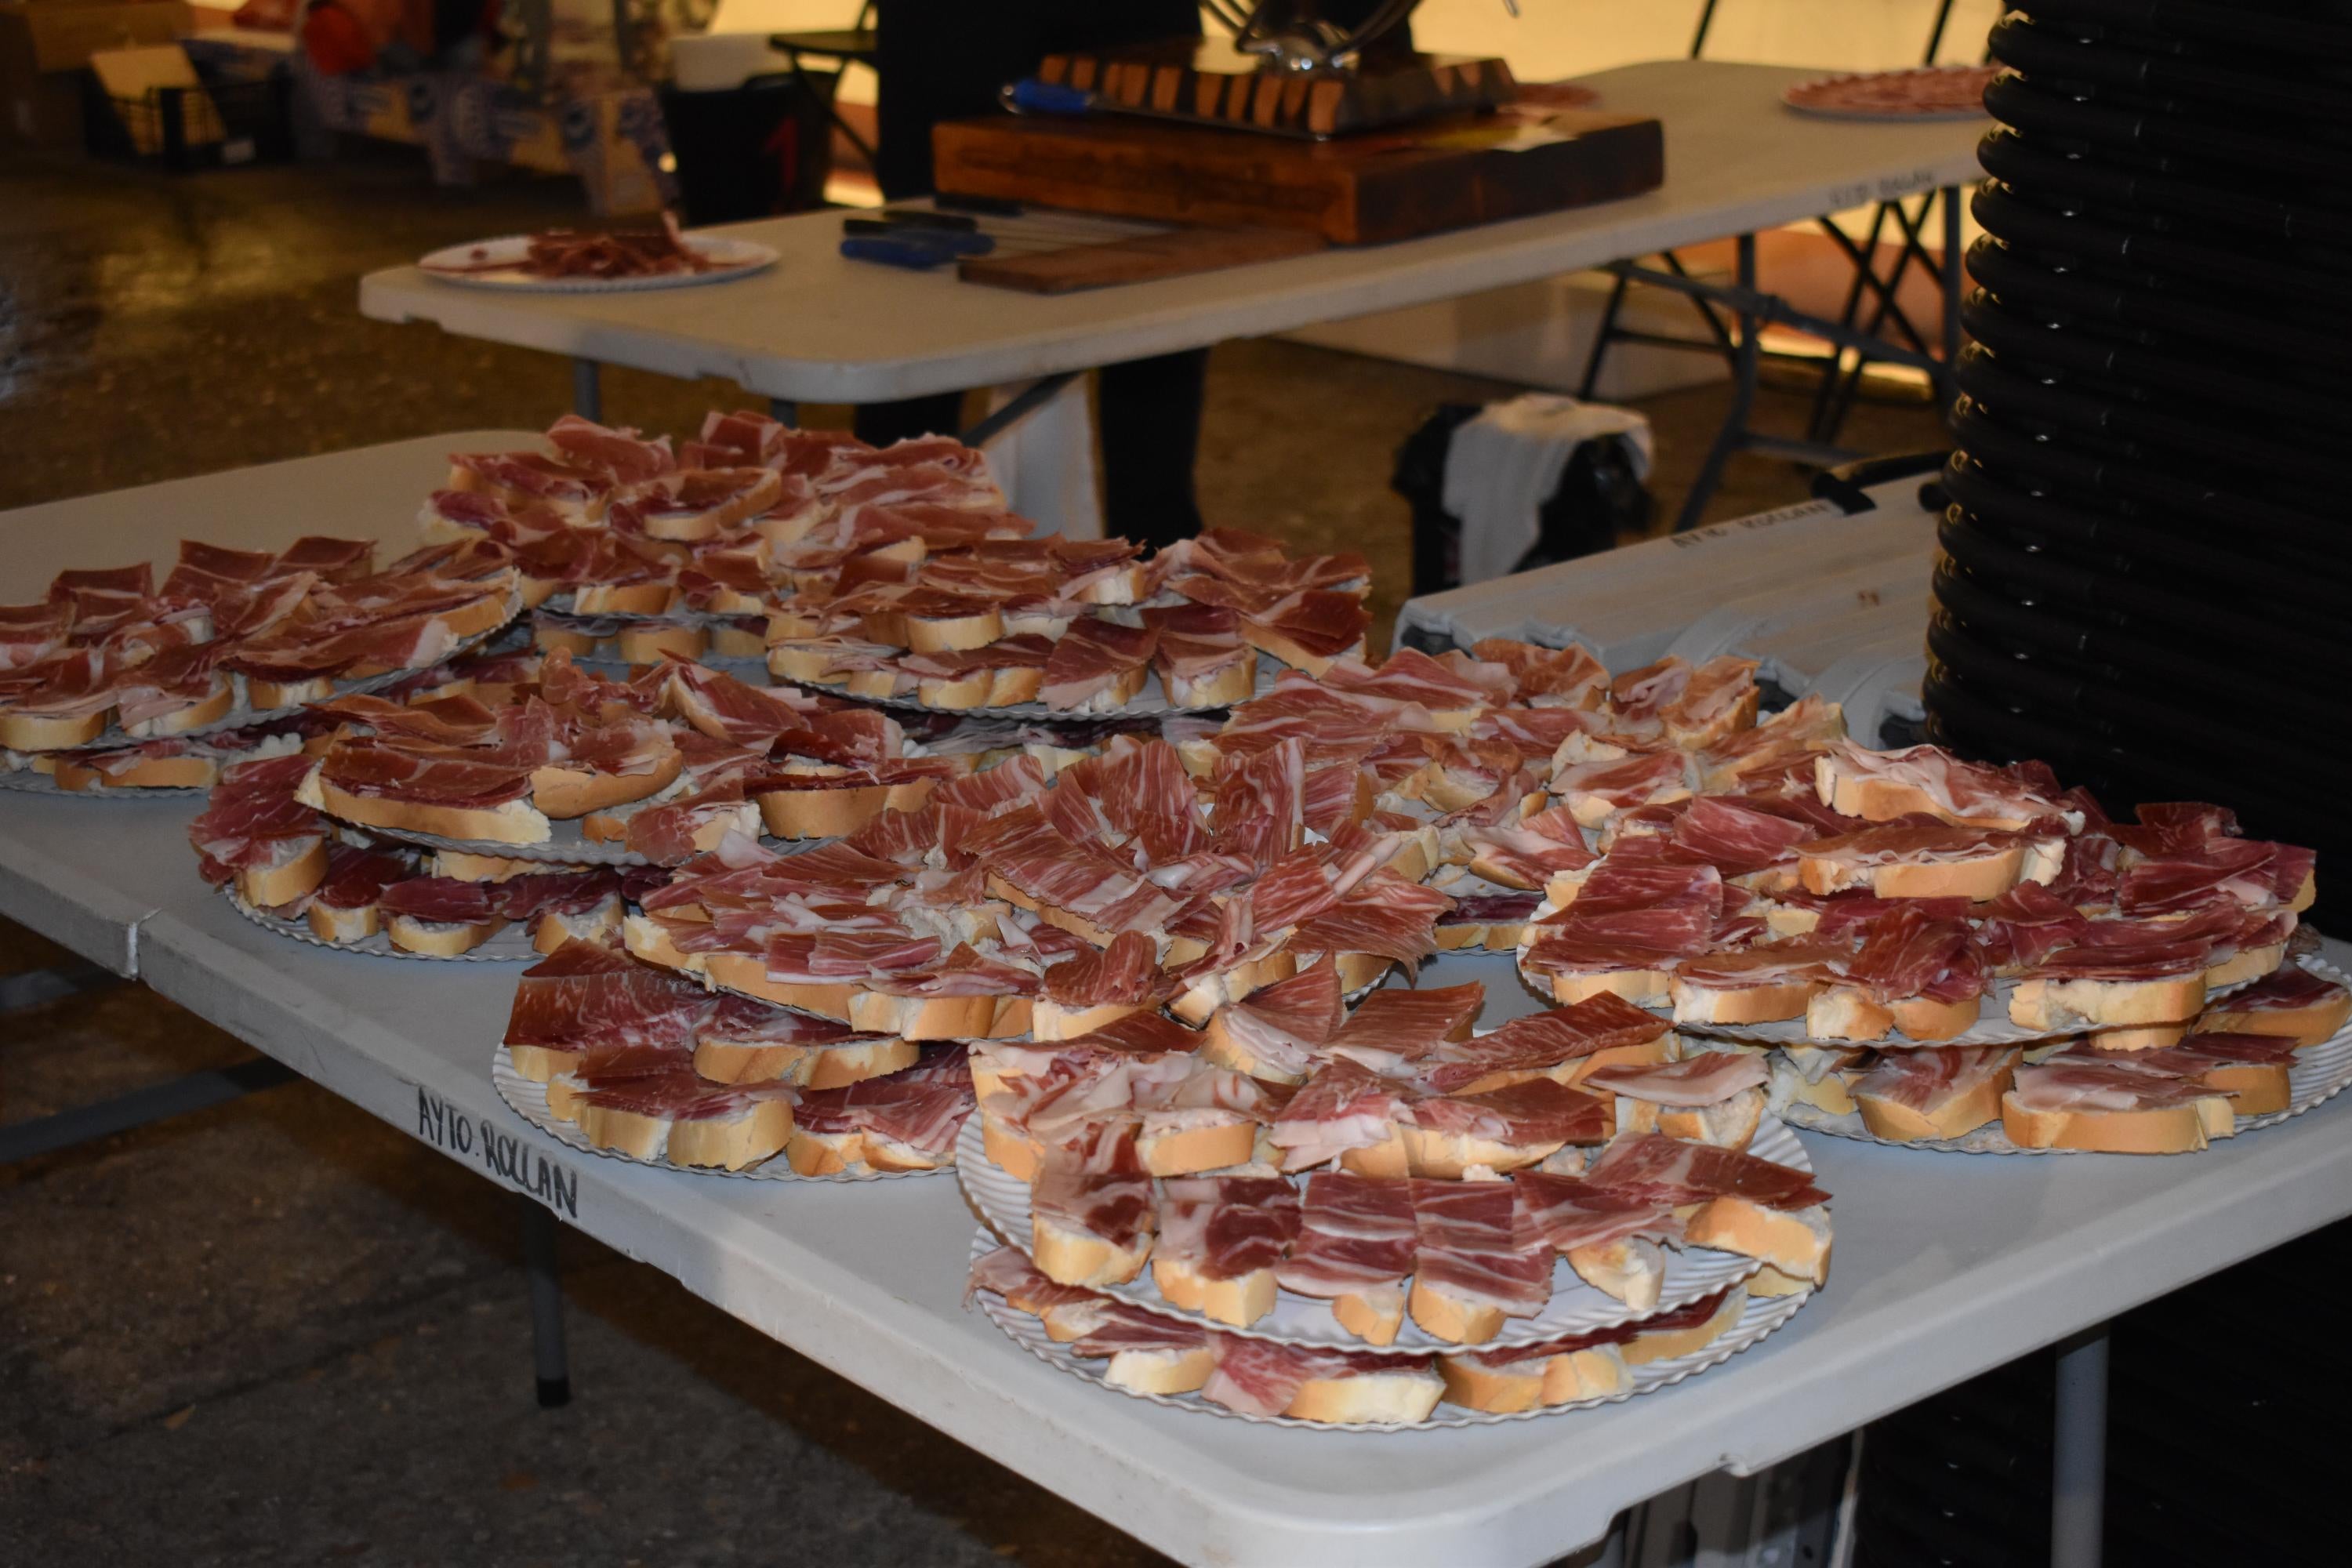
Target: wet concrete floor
(280,1332)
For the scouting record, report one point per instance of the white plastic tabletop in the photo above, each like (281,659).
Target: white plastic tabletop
(818,328)
(1944,1265)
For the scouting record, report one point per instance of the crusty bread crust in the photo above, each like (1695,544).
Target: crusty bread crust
(1447,1156)
(1052,1021)
(439,938)
(1069,1257)
(740,972)
(648,642)
(264,694)
(1452,1319)
(1268,640)
(1955,1115)
(267,887)
(2060,1006)
(1373,1316)
(195,715)
(147,772)
(1740,1004)
(622,598)
(1239,1302)
(1631,1270)
(1664,1344)
(1162,1372)
(516,822)
(1795,1242)
(561,791)
(1642,987)
(344,925)
(1192,1149)
(1219,689)
(1981,877)
(1398,1398)
(811,1067)
(2165,1129)
(1386,1159)
(2307,1026)
(733,1142)
(1842,1012)
(44,732)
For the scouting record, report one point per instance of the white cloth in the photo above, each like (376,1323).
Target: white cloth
(1045,462)
(1503,465)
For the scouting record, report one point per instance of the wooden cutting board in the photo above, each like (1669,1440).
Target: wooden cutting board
(1141,259)
(1359,190)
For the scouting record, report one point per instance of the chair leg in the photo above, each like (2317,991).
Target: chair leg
(550,1361)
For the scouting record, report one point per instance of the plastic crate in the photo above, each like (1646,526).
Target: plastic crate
(222,123)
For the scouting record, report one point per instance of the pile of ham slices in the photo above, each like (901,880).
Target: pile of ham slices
(113,682)
(892,575)
(650,1066)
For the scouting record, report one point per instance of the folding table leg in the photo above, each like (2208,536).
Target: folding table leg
(550,1361)
(1027,401)
(1734,433)
(2079,1468)
(587,389)
(783,411)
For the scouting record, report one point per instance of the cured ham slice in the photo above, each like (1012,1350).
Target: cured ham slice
(1356,1234)
(1532,1117)
(1908,857)
(1225,1228)
(1596,791)
(1472,1249)
(1673,1171)
(1007,1272)
(1383,916)
(584,993)
(1707,1077)
(1127,971)
(1569,1212)
(1734,837)
(1266,1378)
(1117,1329)
(1410,676)
(1883,786)
(1394,1026)
(908,1119)
(251,809)
(1092,1217)
(1274,1033)
(1097,666)
(1718,701)
(1344,1106)
(1909,953)
(2291,1002)
(1569,677)
(2255,874)
(2082,1082)
(1543,1044)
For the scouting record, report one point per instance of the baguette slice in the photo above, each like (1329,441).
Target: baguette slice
(1239,1302)
(2063,1005)
(1399,1397)
(2160,1130)
(1526,1382)
(1069,1257)
(1794,1241)
(1665,1344)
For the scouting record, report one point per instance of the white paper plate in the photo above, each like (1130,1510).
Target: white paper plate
(735,258)
(1793,96)
(511,945)
(528,1100)
(566,846)
(1761,1319)
(1575,1307)
(2320,1073)
(1992,1026)
(1149,702)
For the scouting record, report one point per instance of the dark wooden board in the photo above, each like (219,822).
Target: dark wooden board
(1139,259)
(1358,190)
(1210,80)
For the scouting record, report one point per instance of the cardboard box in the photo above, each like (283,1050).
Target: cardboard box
(45,45)
(140,86)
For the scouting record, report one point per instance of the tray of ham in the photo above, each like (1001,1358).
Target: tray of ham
(2230,1058)
(512,944)
(112,662)
(1573,1307)
(1098,1339)
(1782,885)
(1916,92)
(620,1057)
(579,262)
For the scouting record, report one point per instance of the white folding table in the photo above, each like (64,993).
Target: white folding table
(1944,1265)
(817,328)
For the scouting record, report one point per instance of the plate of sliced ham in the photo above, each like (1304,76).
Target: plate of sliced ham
(1570,1306)
(676,1105)
(565,261)
(2202,1063)
(1919,92)
(1125,1349)
(510,945)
